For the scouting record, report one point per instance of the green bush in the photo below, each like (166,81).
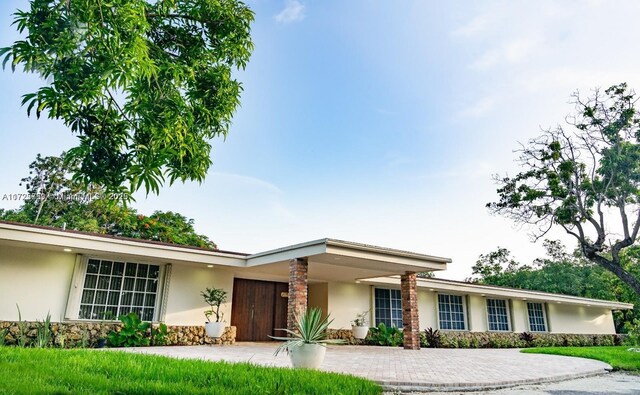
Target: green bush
(633,333)
(385,336)
(133,332)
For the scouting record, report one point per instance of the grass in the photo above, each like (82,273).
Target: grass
(27,370)
(618,357)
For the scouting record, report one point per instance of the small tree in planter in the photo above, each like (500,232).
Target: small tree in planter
(214,297)
(359,326)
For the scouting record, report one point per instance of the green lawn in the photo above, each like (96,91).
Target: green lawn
(618,357)
(24,370)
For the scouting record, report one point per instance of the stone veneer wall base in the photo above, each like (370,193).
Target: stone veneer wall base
(75,334)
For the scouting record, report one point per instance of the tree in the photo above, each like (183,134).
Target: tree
(55,200)
(563,273)
(143,84)
(586,181)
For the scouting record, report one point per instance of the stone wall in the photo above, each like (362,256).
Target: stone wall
(87,334)
(344,334)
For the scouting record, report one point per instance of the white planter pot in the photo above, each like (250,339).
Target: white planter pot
(359,332)
(309,356)
(214,329)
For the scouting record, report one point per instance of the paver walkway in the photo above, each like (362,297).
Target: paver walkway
(396,368)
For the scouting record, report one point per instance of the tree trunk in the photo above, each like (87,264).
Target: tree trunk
(615,268)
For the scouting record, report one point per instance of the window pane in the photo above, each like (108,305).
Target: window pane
(451,312)
(388,307)
(113,288)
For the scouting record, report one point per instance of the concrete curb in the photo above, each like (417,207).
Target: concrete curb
(408,387)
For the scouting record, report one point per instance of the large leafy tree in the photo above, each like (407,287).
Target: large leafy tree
(560,272)
(585,178)
(53,199)
(145,85)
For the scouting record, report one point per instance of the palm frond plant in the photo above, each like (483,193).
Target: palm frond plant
(308,337)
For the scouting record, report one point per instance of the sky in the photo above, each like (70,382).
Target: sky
(375,122)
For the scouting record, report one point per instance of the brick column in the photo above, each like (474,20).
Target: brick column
(410,320)
(297,303)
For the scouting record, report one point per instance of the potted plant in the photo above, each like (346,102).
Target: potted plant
(214,298)
(359,327)
(306,345)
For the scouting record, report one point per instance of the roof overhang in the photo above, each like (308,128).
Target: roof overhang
(440,285)
(345,254)
(88,244)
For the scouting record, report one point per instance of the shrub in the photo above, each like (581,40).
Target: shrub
(385,336)
(133,332)
(431,338)
(633,333)
(159,335)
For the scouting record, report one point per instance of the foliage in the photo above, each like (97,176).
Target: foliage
(431,338)
(527,338)
(44,335)
(310,328)
(385,336)
(586,181)
(633,333)
(53,371)
(563,273)
(361,319)
(618,357)
(133,332)
(54,199)
(214,297)
(143,84)
(3,336)
(23,340)
(159,335)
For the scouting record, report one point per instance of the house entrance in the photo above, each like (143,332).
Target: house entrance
(258,308)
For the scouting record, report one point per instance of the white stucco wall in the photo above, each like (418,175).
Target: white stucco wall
(37,280)
(185,305)
(427,312)
(476,313)
(565,318)
(345,300)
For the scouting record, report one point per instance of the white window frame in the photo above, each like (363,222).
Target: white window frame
(464,312)
(543,306)
(77,286)
(375,318)
(507,305)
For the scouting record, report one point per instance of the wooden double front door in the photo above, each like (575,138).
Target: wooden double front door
(258,308)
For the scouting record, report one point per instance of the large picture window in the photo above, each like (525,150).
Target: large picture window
(112,288)
(498,314)
(537,319)
(451,312)
(388,307)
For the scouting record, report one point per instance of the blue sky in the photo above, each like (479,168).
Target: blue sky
(376,122)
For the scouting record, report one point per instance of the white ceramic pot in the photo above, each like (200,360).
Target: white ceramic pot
(309,356)
(359,332)
(214,329)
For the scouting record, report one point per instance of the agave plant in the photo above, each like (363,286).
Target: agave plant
(310,328)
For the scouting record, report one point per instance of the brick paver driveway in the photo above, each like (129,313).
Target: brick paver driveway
(405,369)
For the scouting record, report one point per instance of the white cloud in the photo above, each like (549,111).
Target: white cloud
(475,27)
(292,12)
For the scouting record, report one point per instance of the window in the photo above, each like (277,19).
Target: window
(388,304)
(537,321)
(498,314)
(112,288)
(451,312)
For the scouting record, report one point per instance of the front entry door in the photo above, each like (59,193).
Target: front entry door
(258,308)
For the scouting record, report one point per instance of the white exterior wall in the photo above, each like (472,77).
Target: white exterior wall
(476,313)
(345,301)
(185,305)
(36,280)
(519,318)
(427,310)
(563,318)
